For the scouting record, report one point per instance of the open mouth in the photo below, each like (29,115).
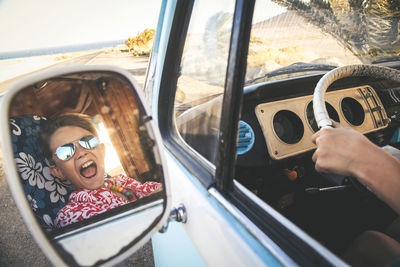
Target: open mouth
(89,169)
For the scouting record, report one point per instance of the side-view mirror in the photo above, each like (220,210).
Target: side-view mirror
(88,197)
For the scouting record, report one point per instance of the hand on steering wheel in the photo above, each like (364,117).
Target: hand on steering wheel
(348,152)
(340,150)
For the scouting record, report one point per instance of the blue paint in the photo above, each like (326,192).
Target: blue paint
(246,138)
(396,137)
(174,248)
(252,242)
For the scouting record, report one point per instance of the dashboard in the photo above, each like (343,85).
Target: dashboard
(277,119)
(288,124)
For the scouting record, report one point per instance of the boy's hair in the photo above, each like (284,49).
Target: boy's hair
(73,119)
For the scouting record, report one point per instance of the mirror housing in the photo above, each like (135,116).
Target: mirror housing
(101,240)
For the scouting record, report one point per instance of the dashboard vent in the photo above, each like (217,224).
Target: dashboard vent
(246,138)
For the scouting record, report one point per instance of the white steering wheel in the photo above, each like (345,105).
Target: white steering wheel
(320,112)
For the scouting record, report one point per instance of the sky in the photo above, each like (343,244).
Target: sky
(273,10)
(39,24)
(27,24)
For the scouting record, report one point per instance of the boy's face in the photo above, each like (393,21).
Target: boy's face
(86,167)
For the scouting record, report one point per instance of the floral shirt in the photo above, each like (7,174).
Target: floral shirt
(85,203)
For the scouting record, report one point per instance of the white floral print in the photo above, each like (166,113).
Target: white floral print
(17,130)
(57,190)
(49,222)
(32,202)
(30,170)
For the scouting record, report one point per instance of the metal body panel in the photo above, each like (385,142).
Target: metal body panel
(220,238)
(211,235)
(175,242)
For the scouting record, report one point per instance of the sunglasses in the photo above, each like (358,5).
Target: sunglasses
(67,151)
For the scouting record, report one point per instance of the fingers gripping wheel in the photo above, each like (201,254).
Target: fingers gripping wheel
(320,112)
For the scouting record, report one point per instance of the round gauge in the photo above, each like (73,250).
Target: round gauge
(352,111)
(288,126)
(311,119)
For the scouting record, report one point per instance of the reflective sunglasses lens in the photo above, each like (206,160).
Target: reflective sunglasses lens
(66,151)
(89,142)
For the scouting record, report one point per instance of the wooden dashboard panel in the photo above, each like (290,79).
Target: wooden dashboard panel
(287,124)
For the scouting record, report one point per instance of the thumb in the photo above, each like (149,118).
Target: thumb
(336,124)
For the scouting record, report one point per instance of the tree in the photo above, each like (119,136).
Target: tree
(142,43)
(369,28)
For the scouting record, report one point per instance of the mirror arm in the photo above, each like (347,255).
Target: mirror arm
(176,215)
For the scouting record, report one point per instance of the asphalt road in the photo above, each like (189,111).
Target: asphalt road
(17,247)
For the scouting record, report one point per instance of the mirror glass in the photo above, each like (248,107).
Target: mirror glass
(88,162)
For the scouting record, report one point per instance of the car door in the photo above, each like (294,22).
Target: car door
(195,89)
(211,235)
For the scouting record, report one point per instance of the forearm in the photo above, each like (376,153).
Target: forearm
(380,171)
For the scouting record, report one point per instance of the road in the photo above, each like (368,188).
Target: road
(17,248)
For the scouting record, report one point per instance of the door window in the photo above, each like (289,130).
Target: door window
(200,85)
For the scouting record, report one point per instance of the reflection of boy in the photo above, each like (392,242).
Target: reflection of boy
(71,145)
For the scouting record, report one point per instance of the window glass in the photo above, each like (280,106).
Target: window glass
(200,86)
(293,38)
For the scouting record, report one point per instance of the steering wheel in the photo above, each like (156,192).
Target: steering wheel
(320,112)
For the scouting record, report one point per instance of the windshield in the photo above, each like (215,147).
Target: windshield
(297,37)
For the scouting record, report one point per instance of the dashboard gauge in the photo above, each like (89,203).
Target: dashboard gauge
(311,119)
(352,111)
(288,126)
